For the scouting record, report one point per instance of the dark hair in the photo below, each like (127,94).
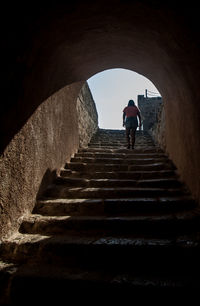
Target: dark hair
(131,103)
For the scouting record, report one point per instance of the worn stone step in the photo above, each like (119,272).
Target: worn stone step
(7,270)
(63,207)
(106,192)
(121,139)
(118,136)
(114,160)
(114,144)
(107,227)
(128,155)
(180,222)
(145,205)
(119,133)
(120,147)
(120,142)
(95,252)
(55,284)
(119,167)
(113,141)
(152,183)
(119,174)
(122,150)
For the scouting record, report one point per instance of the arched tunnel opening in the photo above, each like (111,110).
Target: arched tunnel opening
(49,54)
(154,40)
(112,89)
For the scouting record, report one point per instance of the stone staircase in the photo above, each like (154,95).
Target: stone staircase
(116,223)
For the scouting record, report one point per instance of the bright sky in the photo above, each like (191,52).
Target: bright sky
(112,89)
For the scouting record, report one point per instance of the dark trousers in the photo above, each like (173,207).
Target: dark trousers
(130,132)
(131,127)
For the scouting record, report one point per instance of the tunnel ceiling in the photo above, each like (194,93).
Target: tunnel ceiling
(72,45)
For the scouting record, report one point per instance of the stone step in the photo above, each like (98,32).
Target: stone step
(166,224)
(55,284)
(95,252)
(119,142)
(72,207)
(123,142)
(119,135)
(61,191)
(112,138)
(7,270)
(119,138)
(116,222)
(122,133)
(121,161)
(122,150)
(128,155)
(119,174)
(87,167)
(148,183)
(120,146)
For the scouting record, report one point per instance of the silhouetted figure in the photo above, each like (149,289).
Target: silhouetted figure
(130,114)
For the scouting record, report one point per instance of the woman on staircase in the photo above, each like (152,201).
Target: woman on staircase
(130,114)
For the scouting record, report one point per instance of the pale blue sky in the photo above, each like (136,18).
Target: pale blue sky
(112,89)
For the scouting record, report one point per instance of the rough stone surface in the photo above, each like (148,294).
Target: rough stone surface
(153,118)
(158,130)
(37,152)
(34,156)
(87,116)
(149,108)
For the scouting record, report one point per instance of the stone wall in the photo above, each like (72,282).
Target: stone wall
(153,117)
(158,129)
(36,153)
(149,108)
(87,116)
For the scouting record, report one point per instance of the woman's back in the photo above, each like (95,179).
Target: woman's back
(131,111)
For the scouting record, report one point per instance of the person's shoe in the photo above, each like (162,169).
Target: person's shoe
(128,146)
(132,147)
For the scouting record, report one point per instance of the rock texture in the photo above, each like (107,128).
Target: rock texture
(150,108)
(37,152)
(116,223)
(34,155)
(87,116)
(158,130)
